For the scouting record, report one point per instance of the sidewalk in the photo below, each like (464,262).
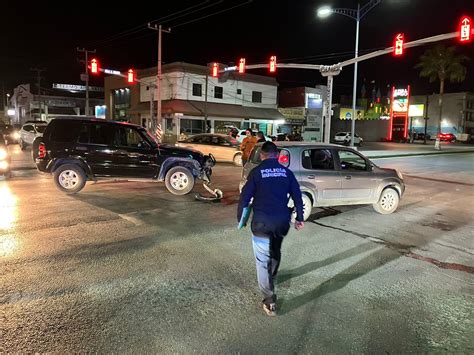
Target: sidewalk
(391,150)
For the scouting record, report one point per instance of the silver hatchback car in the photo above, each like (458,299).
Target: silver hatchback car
(333,175)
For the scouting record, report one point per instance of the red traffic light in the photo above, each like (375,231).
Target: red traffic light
(215,70)
(130,76)
(94,66)
(273,63)
(242,65)
(398,45)
(465,30)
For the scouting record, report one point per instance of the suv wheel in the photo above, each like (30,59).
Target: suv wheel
(238,159)
(179,180)
(388,201)
(70,178)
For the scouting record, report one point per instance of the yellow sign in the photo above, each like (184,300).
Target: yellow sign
(346,114)
(293,112)
(416,110)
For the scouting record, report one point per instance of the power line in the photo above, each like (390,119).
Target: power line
(214,13)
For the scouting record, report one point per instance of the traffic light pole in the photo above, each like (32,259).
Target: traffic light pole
(86,72)
(332,70)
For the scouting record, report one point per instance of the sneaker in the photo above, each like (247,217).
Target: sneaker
(270,309)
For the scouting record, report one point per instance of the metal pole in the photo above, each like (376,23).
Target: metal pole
(426,118)
(328,115)
(205,104)
(87,83)
(158,83)
(354,89)
(152,88)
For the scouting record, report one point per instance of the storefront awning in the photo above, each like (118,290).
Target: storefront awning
(197,108)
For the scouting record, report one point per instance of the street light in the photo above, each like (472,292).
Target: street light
(357,15)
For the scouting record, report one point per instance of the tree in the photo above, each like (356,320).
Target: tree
(442,63)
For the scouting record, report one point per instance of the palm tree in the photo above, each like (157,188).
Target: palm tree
(442,63)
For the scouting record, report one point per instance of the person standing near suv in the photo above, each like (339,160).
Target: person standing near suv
(269,184)
(247,145)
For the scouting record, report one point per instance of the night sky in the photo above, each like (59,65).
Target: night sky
(46,34)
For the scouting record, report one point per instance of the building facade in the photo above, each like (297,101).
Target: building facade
(457,114)
(232,100)
(303,110)
(26,106)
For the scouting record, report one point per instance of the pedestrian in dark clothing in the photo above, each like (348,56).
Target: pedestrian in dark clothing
(269,184)
(260,137)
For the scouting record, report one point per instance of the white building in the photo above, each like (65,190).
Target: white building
(241,100)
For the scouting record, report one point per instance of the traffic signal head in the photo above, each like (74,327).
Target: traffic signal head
(94,66)
(273,60)
(242,65)
(465,29)
(215,70)
(131,76)
(398,44)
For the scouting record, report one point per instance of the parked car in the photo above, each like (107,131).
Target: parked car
(11,133)
(420,136)
(241,135)
(223,148)
(30,131)
(332,175)
(76,150)
(5,159)
(345,138)
(447,137)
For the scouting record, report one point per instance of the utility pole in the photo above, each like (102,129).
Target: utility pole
(86,74)
(159,119)
(205,103)
(38,84)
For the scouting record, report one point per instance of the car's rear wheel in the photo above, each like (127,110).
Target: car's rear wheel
(179,180)
(307,207)
(238,159)
(388,201)
(69,178)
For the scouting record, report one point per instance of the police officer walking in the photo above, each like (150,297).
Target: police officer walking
(269,184)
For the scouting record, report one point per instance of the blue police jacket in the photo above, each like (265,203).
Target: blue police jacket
(270,184)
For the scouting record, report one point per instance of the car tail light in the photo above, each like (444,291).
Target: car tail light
(284,158)
(41,151)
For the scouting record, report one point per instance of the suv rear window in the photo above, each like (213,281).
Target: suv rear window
(63,131)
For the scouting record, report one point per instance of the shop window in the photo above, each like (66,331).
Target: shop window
(197,89)
(218,92)
(256,96)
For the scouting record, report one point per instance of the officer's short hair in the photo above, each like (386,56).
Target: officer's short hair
(269,148)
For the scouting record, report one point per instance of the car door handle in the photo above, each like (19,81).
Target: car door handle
(311,176)
(348,177)
(81,148)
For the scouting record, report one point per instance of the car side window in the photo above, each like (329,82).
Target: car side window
(317,159)
(129,137)
(102,134)
(28,128)
(224,142)
(65,131)
(351,161)
(203,140)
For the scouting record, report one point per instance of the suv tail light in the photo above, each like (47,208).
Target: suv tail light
(41,151)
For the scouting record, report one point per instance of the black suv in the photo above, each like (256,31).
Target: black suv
(75,150)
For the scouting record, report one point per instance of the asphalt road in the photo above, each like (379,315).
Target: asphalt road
(126,266)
